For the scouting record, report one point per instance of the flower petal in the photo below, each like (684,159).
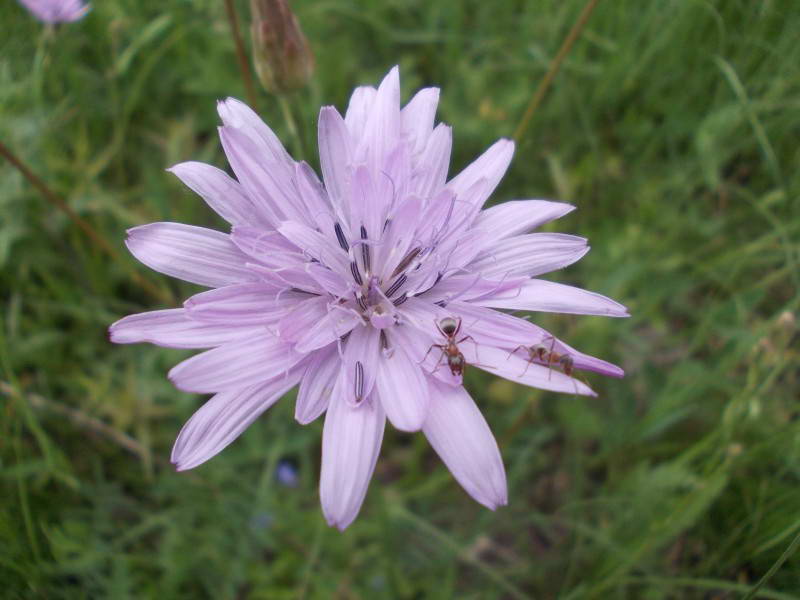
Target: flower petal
(403,389)
(194,254)
(220,191)
(519,216)
(236,114)
(242,304)
(351,441)
(461,437)
(530,254)
(268,183)
(172,328)
(335,159)
(430,172)
(235,365)
(316,387)
(358,109)
(417,117)
(382,129)
(223,419)
(335,324)
(548,296)
(491,165)
(362,349)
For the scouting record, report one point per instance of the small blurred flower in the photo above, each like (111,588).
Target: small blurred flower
(281,53)
(286,474)
(56,11)
(373,292)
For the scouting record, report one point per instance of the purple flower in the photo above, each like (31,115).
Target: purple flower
(56,11)
(372,292)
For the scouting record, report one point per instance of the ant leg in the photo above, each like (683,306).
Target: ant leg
(440,346)
(469,337)
(439,362)
(514,351)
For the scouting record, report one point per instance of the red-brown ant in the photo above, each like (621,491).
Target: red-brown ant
(547,356)
(449,328)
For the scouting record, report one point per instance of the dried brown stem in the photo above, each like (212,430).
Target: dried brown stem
(241,55)
(82,223)
(552,70)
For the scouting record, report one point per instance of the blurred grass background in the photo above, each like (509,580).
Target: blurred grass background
(673,126)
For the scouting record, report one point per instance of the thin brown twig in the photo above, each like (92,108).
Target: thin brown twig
(80,419)
(552,70)
(241,55)
(82,223)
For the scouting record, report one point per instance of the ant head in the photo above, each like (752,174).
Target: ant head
(567,363)
(449,326)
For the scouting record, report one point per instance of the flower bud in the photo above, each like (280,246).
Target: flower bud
(282,56)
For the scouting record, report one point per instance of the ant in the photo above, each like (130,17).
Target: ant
(449,327)
(548,356)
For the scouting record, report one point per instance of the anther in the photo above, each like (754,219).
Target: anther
(406,261)
(340,236)
(396,285)
(361,303)
(399,300)
(365,256)
(356,274)
(359,383)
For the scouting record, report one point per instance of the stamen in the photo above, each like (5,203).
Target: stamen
(340,236)
(361,303)
(359,383)
(365,252)
(299,291)
(396,285)
(398,301)
(386,224)
(441,303)
(356,274)
(406,261)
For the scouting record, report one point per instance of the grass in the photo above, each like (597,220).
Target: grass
(672,125)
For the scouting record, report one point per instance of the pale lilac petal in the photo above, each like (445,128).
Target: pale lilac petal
(194,254)
(270,185)
(267,247)
(358,109)
(530,254)
(382,130)
(245,304)
(235,365)
(403,389)
(519,216)
(316,387)
(362,349)
(56,11)
(351,441)
(172,328)
(221,192)
(430,173)
(335,158)
(302,318)
(223,419)
(312,194)
(494,328)
(236,114)
(322,248)
(491,165)
(329,281)
(548,296)
(417,117)
(516,367)
(470,287)
(335,324)
(461,437)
